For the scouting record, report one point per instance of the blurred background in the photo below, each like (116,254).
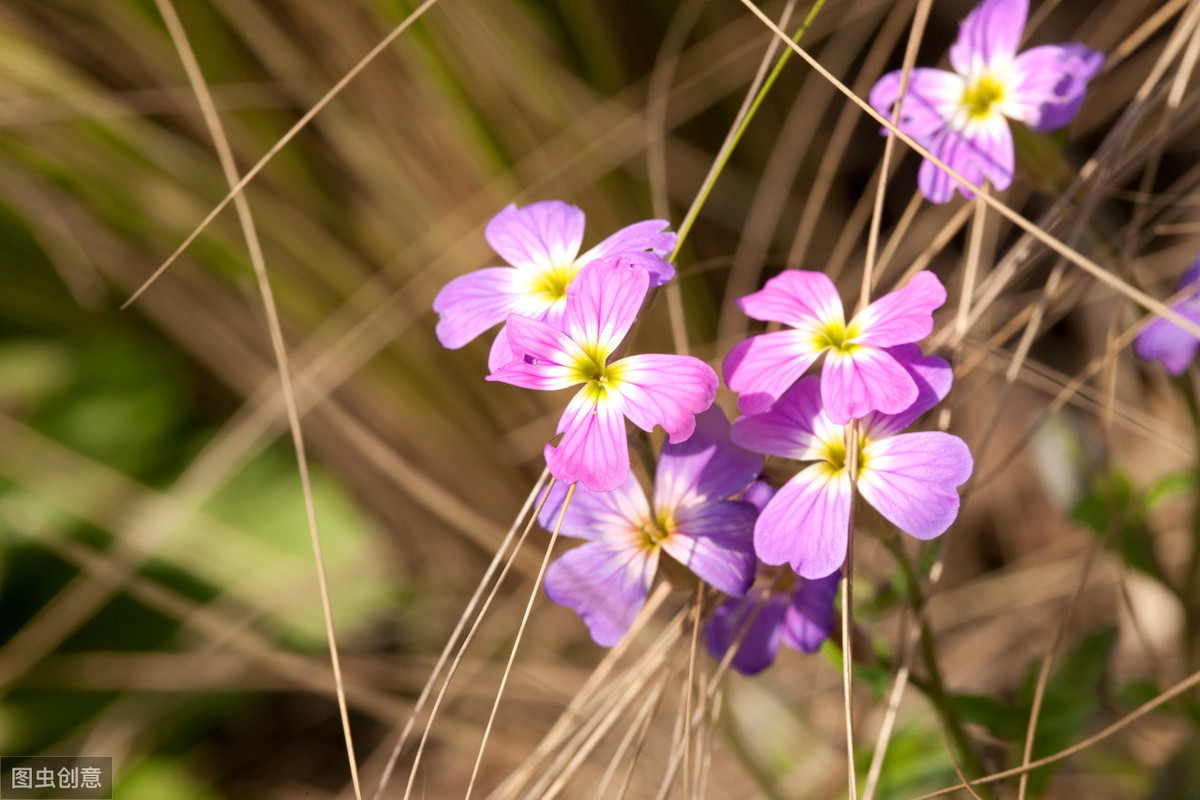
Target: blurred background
(158,598)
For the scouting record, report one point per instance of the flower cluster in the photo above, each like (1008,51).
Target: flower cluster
(961,116)
(564,318)
(564,315)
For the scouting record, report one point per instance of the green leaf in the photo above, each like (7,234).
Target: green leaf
(1070,701)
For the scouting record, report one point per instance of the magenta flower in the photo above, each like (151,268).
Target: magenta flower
(860,374)
(796,612)
(910,478)
(1163,340)
(541,242)
(692,520)
(960,116)
(650,390)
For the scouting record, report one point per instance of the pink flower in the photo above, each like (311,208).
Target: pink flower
(650,390)
(960,116)
(859,374)
(692,520)
(797,612)
(541,242)
(910,478)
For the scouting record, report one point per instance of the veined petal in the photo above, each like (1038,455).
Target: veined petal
(912,479)
(543,358)
(981,150)
(659,269)
(664,390)
(902,316)
(1163,340)
(795,297)
(763,367)
(610,517)
(716,542)
(809,618)
(472,303)
(500,354)
(795,427)
(933,376)
(1048,83)
(753,626)
(538,236)
(593,450)
(867,379)
(992,150)
(707,466)
(933,98)
(989,36)
(606,586)
(647,236)
(807,523)
(603,301)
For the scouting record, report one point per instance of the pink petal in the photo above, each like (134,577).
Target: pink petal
(472,303)
(868,379)
(500,354)
(646,243)
(993,151)
(593,450)
(603,301)
(902,316)
(664,390)
(763,367)
(707,466)
(933,376)
(982,150)
(1164,341)
(716,542)
(606,586)
(807,523)
(989,36)
(933,98)
(795,427)
(538,236)
(911,479)
(795,297)
(1048,84)
(609,517)
(543,358)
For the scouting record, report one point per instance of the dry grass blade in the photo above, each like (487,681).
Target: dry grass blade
(216,130)
(241,184)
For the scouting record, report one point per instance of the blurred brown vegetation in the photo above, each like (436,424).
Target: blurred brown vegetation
(158,599)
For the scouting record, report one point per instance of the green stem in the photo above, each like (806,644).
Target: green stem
(936,688)
(685,227)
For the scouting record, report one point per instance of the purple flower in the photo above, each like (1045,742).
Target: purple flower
(1163,340)
(860,374)
(910,478)
(796,611)
(606,579)
(650,390)
(541,242)
(960,116)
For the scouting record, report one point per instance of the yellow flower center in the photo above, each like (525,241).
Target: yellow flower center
(654,532)
(982,95)
(835,456)
(551,285)
(837,336)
